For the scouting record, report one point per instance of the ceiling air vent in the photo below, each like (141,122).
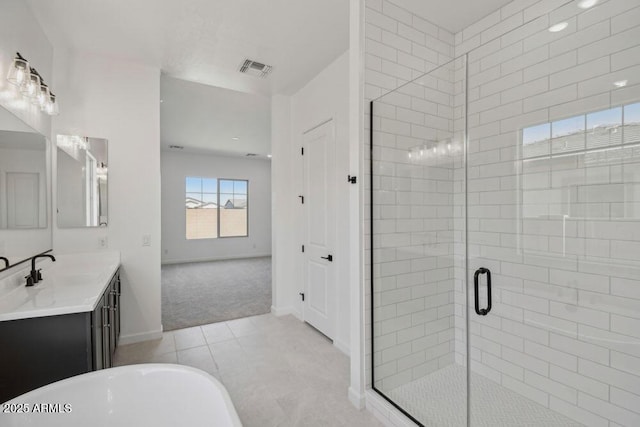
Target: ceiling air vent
(255,69)
(250,155)
(177,147)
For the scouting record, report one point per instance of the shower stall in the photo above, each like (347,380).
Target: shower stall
(505,230)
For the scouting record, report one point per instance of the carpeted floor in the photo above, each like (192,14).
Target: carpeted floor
(206,292)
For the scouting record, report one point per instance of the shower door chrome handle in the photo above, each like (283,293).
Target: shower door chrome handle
(482,311)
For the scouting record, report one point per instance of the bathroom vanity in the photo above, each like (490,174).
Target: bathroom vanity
(65,325)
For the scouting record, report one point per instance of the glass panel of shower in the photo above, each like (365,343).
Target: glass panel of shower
(505,238)
(417,158)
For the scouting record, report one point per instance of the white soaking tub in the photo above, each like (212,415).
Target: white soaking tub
(155,395)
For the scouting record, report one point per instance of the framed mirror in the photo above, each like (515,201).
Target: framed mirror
(24,191)
(82,181)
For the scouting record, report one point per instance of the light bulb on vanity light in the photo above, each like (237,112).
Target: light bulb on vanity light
(51,106)
(31,87)
(42,97)
(19,71)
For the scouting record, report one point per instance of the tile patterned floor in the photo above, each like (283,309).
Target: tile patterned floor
(278,370)
(440,400)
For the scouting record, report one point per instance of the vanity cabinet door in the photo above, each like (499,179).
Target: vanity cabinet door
(97,340)
(106,325)
(106,329)
(116,310)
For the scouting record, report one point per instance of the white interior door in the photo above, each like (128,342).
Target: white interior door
(319,207)
(23,196)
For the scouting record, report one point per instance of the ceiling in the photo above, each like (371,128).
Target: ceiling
(453,15)
(206,41)
(206,119)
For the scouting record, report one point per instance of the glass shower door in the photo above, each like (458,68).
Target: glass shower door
(417,160)
(553,214)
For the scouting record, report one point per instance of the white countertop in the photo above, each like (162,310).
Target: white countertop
(72,284)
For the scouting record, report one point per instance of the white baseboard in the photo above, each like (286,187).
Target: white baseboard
(220,258)
(342,347)
(283,311)
(357,399)
(139,337)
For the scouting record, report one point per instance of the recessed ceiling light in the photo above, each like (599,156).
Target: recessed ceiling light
(586,4)
(235,138)
(558,27)
(621,83)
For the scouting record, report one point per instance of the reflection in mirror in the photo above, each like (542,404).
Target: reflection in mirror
(82,175)
(24,228)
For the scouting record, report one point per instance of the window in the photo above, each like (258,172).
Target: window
(216,208)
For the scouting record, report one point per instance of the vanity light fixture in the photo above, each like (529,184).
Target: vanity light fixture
(586,4)
(558,27)
(32,85)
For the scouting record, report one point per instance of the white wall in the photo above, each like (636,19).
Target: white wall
(282,280)
(119,100)
(175,168)
(325,97)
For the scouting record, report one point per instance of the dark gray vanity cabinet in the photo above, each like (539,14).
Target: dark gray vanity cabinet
(105,325)
(41,350)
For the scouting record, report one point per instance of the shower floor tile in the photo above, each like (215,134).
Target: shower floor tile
(440,399)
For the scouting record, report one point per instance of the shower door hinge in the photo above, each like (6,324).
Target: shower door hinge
(351,179)
(302,296)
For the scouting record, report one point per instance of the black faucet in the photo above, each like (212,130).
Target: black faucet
(35,276)
(6,261)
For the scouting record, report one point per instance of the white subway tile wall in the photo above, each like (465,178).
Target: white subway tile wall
(553,204)
(413,209)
